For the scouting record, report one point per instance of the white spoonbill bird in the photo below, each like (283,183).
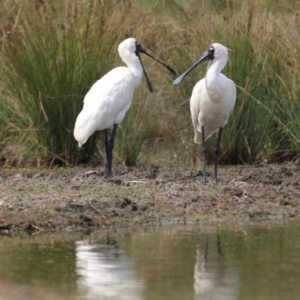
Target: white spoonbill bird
(212,101)
(108,100)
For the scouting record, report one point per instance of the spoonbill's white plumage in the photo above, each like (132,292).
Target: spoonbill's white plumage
(108,100)
(212,101)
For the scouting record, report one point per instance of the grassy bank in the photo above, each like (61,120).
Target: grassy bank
(53,51)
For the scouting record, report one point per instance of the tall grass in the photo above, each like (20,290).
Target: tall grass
(53,51)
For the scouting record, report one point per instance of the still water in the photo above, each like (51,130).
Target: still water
(254,261)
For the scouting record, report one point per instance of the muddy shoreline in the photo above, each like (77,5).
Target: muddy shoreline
(70,199)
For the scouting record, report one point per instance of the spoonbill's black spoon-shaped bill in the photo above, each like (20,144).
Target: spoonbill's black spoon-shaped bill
(108,100)
(212,101)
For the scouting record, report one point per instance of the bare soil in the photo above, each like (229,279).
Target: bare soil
(69,199)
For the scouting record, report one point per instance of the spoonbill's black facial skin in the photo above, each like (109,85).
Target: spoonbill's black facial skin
(212,101)
(108,100)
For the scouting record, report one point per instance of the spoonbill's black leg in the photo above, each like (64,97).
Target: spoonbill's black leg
(106,143)
(109,145)
(217,152)
(203,156)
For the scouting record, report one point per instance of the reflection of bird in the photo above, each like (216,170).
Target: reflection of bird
(106,273)
(212,100)
(107,102)
(214,277)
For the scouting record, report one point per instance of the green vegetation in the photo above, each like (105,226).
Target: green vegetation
(53,51)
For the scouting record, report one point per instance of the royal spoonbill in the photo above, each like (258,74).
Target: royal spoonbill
(212,101)
(108,100)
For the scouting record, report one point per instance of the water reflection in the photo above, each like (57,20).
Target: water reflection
(214,276)
(105,272)
(170,262)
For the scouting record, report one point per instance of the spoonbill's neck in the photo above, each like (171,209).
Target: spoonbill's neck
(134,65)
(214,82)
(215,67)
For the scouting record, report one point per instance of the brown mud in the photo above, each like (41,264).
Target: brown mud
(69,199)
